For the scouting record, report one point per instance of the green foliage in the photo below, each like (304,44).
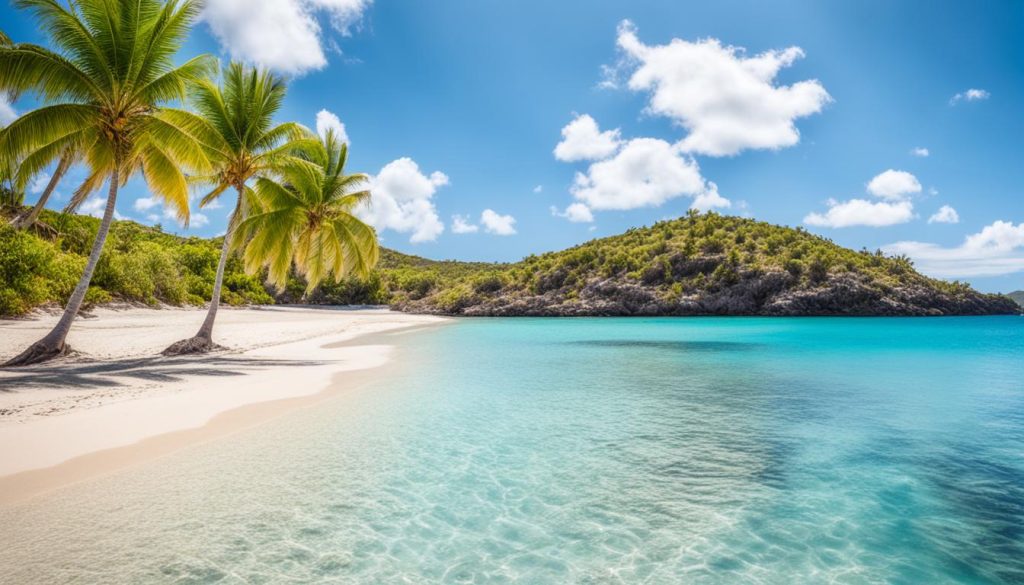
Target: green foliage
(139,265)
(687,256)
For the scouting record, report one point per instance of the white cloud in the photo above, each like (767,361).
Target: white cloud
(709,199)
(93,206)
(158,212)
(326,120)
(538,188)
(461,225)
(727,101)
(862,212)
(7,113)
(919,151)
(145,203)
(96,206)
(894,185)
(996,250)
(284,35)
(583,140)
(971,95)
(402,201)
(646,172)
(945,214)
(497,224)
(576,213)
(38,184)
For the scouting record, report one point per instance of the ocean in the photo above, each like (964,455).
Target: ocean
(592,451)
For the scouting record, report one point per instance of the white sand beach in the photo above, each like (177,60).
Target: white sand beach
(116,401)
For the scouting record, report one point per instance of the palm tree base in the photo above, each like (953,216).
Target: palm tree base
(192,345)
(38,352)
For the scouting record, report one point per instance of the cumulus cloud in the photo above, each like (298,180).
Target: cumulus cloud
(894,185)
(497,224)
(284,35)
(462,225)
(156,212)
(145,203)
(945,214)
(575,212)
(646,172)
(326,120)
(583,140)
(95,206)
(538,188)
(996,250)
(402,200)
(38,184)
(7,112)
(919,151)
(709,199)
(862,212)
(971,95)
(728,102)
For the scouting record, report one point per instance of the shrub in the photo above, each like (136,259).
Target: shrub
(488,283)
(24,262)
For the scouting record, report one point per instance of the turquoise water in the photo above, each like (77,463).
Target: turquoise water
(733,450)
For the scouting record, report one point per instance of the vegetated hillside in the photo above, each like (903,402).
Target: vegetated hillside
(708,265)
(144,265)
(1017,296)
(701,264)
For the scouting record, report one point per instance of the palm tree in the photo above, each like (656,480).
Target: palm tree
(106,84)
(243,144)
(308,218)
(28,218)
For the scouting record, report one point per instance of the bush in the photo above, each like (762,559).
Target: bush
(488,283)
(24,262)
(794,267)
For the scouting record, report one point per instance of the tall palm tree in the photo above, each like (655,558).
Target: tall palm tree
(107,82)
(242,144)
(307,217)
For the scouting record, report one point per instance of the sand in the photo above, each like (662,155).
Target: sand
(116,402)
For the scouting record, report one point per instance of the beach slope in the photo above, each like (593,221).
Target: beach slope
(116,401)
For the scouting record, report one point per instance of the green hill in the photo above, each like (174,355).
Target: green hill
(707,265)
(1017,296)
(699,264)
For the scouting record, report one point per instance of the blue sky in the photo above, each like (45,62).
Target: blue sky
(456,109)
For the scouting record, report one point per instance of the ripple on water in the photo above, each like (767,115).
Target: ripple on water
(591,451)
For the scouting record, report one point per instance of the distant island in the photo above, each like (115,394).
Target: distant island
(1018,296)
(700,264)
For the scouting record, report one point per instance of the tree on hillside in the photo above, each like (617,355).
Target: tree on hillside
(106,83)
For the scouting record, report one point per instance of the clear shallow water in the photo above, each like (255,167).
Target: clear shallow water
(592,451)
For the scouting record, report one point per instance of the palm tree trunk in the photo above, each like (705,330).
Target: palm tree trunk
(202,342)
(53,344)
(27,220)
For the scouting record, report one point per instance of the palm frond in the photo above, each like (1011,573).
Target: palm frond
(32,69)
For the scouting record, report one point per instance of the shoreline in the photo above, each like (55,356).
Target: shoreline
(123,423)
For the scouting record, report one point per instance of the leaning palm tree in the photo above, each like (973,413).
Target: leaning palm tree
(106,83)
(28,218)
(308,218)
(243,144)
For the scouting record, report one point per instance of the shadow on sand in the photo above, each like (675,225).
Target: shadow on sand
(78,373)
